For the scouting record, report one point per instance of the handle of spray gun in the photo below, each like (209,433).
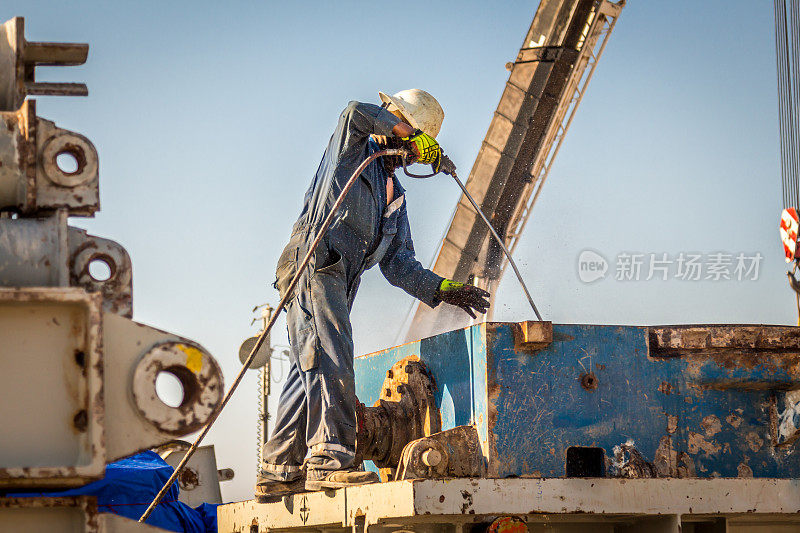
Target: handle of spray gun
(446,166)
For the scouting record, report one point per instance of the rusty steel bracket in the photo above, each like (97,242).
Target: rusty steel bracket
(532,335)
(85,251)
(34,178)
(452,453)
(405,411)
(19,59)
(45,252)
(90,378)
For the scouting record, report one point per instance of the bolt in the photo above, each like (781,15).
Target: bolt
(389,374)
(431,457)
(589,381)
(388,392)
(409,369)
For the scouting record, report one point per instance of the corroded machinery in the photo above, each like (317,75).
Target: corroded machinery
(574,428)
(570,400)
(77,375)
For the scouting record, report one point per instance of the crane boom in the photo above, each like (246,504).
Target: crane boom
(546,84)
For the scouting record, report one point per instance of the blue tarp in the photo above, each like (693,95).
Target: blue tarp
(131,484)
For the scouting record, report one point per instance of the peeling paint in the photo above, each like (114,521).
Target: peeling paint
(734,420)
(711,425)
(672,423)
(744,470)
(696,442)
(754,442)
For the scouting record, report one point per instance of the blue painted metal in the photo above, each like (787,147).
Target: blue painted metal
(703,413)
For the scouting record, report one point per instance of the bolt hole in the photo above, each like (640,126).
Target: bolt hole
(169,389)
(100,269)
(67,162)
(589,381)
(177,386)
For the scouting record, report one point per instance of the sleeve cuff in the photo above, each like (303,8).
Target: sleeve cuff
(385,123)
(429,287)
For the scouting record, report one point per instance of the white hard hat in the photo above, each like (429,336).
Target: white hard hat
(421,109)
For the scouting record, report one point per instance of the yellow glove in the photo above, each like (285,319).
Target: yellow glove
(467,297)
(427,147)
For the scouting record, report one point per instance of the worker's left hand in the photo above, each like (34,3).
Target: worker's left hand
(467,297)
(427,149)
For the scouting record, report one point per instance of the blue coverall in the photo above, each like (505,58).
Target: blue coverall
(316,419)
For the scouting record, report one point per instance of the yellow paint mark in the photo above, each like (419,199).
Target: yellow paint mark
(194,358)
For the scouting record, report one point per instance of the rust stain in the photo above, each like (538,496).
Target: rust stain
(744,470)
(672,423)
(686,466)
(188,479)
(466,506)
(734,420)
(666,457)
(697,442)
(711,425)
(754,442)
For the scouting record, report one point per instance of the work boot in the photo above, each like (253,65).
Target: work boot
(271,490)
(342,478)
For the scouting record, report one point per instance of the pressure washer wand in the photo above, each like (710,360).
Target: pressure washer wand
(449,168)
(257,346)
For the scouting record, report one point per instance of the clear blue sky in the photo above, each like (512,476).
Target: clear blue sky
(210,119)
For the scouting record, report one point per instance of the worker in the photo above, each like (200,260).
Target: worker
(313,442)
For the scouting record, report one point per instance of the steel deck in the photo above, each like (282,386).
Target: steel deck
(554,504)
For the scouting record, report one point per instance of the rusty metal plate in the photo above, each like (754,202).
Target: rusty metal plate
(51,387)
(49,515)
(67,514)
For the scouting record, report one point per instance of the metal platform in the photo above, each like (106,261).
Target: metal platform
(557,505)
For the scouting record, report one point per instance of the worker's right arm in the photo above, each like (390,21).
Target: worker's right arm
(403,130)
(363,120)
